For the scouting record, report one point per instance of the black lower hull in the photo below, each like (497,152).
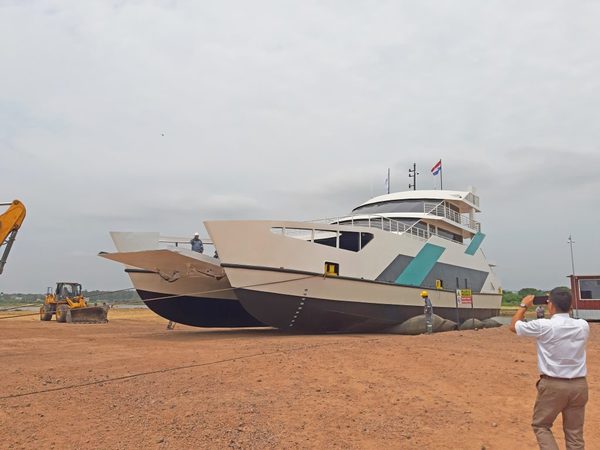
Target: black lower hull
(306,314)
(199,311)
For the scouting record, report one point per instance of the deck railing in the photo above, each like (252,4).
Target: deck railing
(379,222)
(395,226)
(441,210)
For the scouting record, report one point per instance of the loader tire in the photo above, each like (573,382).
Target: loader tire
(45,313)
(61,313)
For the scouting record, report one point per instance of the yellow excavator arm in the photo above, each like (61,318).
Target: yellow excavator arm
(10,222)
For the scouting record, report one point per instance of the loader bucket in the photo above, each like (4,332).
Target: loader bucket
(89,314)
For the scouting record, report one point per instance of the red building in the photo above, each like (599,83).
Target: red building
(586,296)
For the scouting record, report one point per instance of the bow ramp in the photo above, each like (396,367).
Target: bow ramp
(172,263)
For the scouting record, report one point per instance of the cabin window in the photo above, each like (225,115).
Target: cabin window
(326,237)
(346,240)
(449,235)
(391,206)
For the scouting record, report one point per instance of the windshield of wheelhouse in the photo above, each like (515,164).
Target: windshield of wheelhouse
(391,206)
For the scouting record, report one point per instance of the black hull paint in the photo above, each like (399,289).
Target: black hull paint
(199,311)
(314,315)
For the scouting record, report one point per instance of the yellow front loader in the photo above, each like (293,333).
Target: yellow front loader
(69,305)
(10,222)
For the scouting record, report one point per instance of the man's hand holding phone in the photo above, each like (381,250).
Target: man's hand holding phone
(527,301)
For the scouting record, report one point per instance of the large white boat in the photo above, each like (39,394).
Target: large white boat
(362,272)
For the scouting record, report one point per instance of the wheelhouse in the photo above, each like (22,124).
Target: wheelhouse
(448,214)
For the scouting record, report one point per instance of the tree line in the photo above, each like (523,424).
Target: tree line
(512,298)
(128,296)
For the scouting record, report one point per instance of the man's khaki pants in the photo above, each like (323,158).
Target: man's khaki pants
(560,396)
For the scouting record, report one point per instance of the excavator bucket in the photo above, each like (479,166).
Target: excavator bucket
(89,314)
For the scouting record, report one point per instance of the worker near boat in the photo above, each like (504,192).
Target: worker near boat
(428,311)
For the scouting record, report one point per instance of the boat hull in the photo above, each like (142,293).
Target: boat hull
(184,287)
(199,301)
(204,312)
(318,315)
(305,302)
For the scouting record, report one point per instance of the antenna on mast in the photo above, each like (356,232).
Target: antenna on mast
(387,181)
(570,241)
(412,173)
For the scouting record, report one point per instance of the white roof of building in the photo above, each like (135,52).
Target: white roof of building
(458,197)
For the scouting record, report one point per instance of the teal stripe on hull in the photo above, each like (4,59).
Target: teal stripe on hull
(475,244)
(420,266)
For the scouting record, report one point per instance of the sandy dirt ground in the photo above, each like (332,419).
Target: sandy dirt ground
(133,384)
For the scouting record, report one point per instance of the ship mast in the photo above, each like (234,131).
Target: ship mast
(388,180)
(412,173)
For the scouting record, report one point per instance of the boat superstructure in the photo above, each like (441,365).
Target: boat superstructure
(364,271)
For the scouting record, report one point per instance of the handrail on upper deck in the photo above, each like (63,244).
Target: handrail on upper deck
(441,210)
(380,222)
(400,227)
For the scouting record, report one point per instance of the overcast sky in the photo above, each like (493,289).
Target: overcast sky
(275,109)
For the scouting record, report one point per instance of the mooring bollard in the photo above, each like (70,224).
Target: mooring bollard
(428,312)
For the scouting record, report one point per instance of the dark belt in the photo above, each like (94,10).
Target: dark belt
(562,379)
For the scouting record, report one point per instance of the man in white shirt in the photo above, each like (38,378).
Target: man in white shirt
(562,387)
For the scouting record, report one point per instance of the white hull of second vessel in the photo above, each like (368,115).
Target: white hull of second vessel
(183,286)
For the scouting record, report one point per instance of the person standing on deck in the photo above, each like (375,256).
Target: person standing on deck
(562,386)
(197,245)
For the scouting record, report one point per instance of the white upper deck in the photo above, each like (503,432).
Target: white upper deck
(465,201)
(441,212)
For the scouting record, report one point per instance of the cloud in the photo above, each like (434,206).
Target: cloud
(158,115)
